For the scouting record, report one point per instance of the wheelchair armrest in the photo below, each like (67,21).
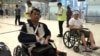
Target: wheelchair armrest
(29,43)
(86,28)
(50,40)
(74,29)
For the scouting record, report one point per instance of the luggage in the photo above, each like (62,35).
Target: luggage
(4,50)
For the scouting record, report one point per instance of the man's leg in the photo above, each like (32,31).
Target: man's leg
(15,20)
(19,19)
(52,52)
(83,40)
(60,29)
(91,38)
(68,18)
(84,43)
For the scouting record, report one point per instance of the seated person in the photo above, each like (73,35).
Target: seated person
(36,31)
(76,23)
(40,31)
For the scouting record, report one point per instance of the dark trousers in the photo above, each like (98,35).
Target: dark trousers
(49,52)
(61,27)
(17,19)
(68,18)
(24,51)
(1,12)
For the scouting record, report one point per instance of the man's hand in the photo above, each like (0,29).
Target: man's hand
(81,27)
(38,38)
(46,42)
(58,14)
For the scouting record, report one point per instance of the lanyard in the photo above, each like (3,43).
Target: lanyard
(36,29)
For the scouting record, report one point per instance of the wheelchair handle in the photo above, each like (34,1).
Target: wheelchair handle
(50,40)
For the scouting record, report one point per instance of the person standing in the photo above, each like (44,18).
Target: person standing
(61,17)
(1,11)
(28,10)
(6,12)
(69,14)
(17,15)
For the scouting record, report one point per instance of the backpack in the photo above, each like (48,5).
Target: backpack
(4,50)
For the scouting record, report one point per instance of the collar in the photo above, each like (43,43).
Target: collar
(31,24)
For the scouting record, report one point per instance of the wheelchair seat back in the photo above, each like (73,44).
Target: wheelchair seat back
(74,33)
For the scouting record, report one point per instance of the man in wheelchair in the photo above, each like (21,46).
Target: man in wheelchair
(36,32)
(77,24)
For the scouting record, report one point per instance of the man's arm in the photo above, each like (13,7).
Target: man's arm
(24,37)
(71,27)
(47,35)
(60,12)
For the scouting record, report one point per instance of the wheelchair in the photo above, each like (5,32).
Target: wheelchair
(71,38)
(19,50)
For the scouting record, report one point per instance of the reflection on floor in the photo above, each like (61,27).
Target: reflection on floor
(7,24)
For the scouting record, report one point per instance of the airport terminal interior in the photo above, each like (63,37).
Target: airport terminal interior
(89,10)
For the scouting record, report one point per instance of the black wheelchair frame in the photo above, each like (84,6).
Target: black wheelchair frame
(72,39)
(18,51)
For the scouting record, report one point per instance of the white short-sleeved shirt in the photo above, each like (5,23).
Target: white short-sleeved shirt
(60,10)
(76,23)
(28,9)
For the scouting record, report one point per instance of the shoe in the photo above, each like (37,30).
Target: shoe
(87,50)
(95,48)
(59,35)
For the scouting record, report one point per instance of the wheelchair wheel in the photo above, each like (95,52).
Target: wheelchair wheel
(17,51)
(68,40)
(76,49)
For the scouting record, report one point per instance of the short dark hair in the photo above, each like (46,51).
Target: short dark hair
(59,4)
(16,5)
(35,9)
(29,2)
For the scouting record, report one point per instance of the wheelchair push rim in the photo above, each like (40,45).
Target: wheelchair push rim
(17,51)
(68,40)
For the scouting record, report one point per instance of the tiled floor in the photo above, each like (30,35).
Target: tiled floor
(7,24)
